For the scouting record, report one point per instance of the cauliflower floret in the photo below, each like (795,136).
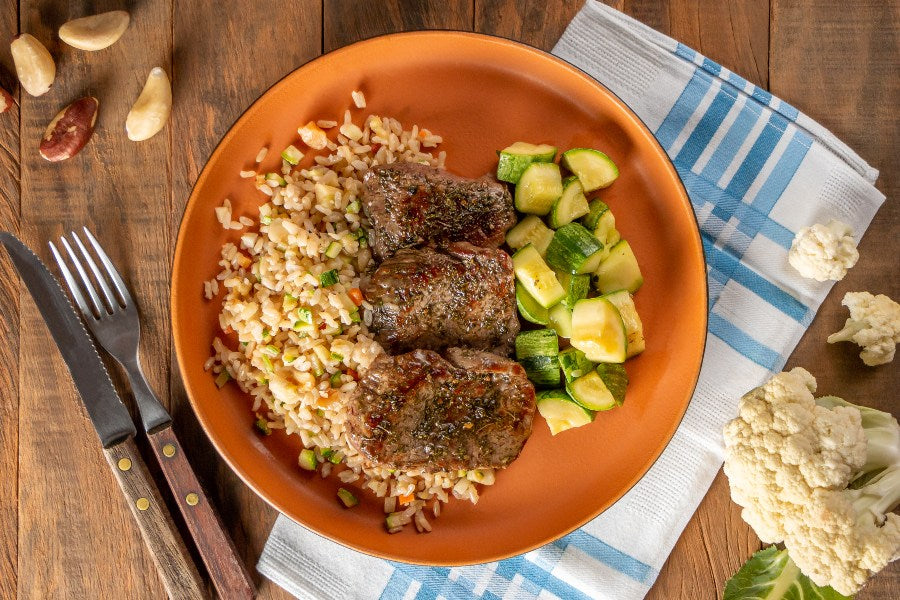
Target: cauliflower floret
(874,324)
(840,543)
(790,458)
(824,252)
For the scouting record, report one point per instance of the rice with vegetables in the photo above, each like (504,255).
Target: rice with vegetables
(296,319)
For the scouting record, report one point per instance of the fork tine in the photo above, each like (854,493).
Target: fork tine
(111,270)
(96,303)
(70,281)
(113,302)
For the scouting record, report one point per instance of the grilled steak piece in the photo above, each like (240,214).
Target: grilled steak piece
(458,296)
(410,204)
(469,410)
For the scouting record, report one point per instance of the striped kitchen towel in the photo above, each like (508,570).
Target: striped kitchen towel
(756,171)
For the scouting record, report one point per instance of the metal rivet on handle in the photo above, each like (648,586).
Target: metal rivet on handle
(192,499)
(169,450)
(124,464)
(142,504)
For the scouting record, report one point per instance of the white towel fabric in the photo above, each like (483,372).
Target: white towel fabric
(756,170)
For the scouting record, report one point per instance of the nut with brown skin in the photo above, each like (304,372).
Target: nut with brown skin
(34,65)
(95,32)
(6,100)
(70,130)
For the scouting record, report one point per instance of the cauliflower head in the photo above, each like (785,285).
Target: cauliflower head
(790,458)
(824,252)
(874,324)
(783,446)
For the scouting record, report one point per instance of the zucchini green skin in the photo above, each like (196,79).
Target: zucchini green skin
(561,412)
(615,379)
(514,159)
(538,188)
(529,308)
(591,392)
(560,319)
(594,168)
(619,271)
(571,204)
(530,230)
(574,249)
(536,277)
(307,460)
(537,342)
(576,286)
(574,363)
(634,328)
(542,370)
(595,209)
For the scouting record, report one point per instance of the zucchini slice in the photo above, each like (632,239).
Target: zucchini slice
(543,371)
(593,168)
(538,188)
(615,379)
(515,159)
(619,271)
(598,330)
(529,307)
(536,277)
(576,286)
(574,249)
(634,329)
(538,342)
(530,230)
(561,411)
(570,206)
(591,392)
(560,319)
(596,209)
(537,352)
(574,363)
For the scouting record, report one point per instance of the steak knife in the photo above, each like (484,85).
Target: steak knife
(113,423)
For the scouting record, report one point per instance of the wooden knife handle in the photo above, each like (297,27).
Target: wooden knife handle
(176,568)
(226,569)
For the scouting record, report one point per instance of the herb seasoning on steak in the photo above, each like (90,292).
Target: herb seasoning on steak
(469,410)
(409,204)
(434,299)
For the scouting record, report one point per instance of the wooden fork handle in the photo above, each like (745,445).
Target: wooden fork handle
(176,568)
(226,569)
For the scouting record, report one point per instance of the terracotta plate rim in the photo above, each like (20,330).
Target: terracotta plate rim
(178,257)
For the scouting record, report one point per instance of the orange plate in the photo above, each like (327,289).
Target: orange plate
(481,94)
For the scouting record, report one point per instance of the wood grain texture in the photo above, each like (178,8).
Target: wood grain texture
(64,532)
(348,21)
(169,553)
(531,21)
(9,324)
(225,568)
(850,59)
(226,55)
(76,537)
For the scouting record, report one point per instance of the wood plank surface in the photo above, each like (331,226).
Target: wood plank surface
(9,324)
(77,538)
(65,532)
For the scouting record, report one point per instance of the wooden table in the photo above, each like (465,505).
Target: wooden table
(64,530)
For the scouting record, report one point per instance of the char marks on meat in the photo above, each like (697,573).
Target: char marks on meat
(466,410)
(409,204)
(429,298)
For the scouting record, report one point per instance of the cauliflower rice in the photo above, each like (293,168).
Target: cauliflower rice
(299,374)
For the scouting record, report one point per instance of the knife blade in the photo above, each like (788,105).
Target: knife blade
(112,422)
(109,415)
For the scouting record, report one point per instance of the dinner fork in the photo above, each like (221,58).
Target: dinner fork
(112,317)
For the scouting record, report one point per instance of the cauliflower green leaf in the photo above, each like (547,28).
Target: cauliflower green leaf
(770,574)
